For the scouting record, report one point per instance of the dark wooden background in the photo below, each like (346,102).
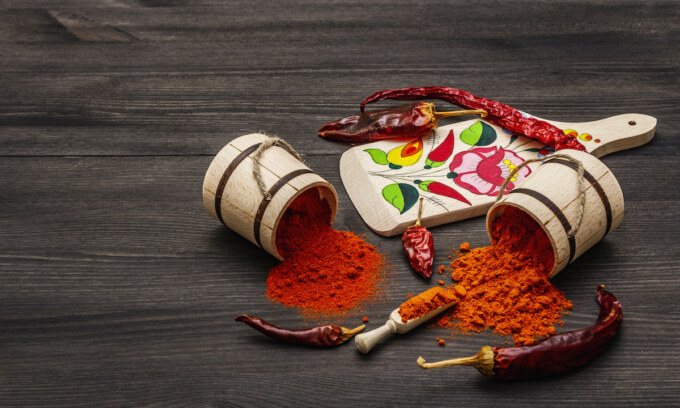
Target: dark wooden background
(117,288)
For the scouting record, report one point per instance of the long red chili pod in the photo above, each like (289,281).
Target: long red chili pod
(322,336)
(402,122)
(549,356)
(441,153)
(444,190)
(497,113)
(419,246)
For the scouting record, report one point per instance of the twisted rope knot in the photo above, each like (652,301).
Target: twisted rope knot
(271,141)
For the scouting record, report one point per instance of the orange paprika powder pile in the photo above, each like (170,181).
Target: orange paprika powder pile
(507,283)
(325,272)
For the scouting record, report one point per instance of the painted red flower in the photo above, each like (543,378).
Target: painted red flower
(483,170)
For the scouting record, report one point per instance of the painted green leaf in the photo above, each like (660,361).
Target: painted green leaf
(378,156)
(488,135)
(479,134)
(532,150)
(512,139)
(401,196)
(424,185)
(430,164)
(471,135)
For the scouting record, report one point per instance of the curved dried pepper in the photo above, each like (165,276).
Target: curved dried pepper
(497,113)
(549,356)
(321,336)
(403,122)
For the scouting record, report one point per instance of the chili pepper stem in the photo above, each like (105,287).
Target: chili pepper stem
(349,333)
(420,211)
(482,361)
(439,115)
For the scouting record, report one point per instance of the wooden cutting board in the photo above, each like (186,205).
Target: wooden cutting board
(458,169)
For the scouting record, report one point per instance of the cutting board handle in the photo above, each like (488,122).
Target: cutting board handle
(618,132)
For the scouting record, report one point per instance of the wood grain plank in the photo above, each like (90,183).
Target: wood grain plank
(117,289)
(87,30)
(191,89)
(332,21)
(193,113)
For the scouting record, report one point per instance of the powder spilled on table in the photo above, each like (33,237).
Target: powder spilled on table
(326,273)
(507,283)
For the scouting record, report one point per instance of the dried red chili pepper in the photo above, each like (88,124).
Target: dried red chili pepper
(498,113)
(403,122)
(549,356)
(419,246)
(322,336)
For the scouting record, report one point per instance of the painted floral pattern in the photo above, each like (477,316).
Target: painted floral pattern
(483,170)
(431,168)
(583,137)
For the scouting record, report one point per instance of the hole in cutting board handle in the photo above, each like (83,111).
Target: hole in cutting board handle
(632,123)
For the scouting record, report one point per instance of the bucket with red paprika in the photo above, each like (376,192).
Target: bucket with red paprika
(572,195)
(251,183)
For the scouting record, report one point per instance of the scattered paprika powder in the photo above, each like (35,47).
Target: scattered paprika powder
(506,283)
(325,272)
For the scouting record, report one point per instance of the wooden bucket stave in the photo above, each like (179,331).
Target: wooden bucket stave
(550,195)
(232,196)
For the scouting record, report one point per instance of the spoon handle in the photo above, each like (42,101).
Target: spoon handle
(366,341)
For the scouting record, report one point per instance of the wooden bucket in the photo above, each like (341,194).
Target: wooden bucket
(232,195)
(551,196)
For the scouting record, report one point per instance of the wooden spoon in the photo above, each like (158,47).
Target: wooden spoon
(366,341)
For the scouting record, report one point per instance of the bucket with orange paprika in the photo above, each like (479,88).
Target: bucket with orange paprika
(573,196)
(568,204)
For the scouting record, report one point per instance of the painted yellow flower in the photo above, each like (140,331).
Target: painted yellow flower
(406,155)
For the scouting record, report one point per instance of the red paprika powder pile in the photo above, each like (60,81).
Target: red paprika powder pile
(325,272)
(507,283)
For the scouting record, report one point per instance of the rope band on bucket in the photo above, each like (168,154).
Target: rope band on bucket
(272,141)
(580,170)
